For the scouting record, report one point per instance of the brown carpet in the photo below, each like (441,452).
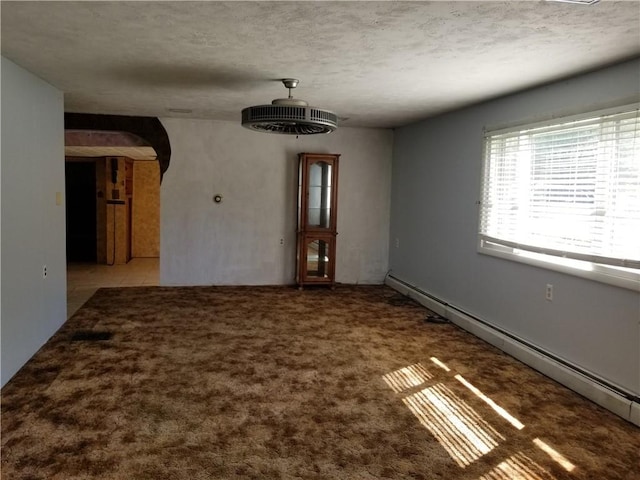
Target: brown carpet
(275,383)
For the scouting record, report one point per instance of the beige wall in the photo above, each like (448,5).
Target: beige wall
(250,237)
(146,209)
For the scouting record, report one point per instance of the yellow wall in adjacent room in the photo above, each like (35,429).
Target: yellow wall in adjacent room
(146,209)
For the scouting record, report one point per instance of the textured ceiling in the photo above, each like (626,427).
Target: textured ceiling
(376,64)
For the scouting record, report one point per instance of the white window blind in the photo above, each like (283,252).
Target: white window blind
(569,189)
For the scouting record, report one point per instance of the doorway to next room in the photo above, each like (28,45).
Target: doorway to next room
(114,166)
(113,224)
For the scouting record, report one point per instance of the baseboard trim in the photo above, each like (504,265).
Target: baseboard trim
(623,404)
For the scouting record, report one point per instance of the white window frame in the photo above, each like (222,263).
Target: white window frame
(553,260)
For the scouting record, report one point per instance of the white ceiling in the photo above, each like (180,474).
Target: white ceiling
(376,64)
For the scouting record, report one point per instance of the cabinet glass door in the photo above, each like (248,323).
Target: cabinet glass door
(318,258)
(319,195)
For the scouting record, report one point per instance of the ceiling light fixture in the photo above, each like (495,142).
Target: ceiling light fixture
(289,116)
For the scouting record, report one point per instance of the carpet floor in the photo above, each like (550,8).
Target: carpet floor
(275,383)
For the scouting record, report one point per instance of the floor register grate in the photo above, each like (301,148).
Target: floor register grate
(91,336)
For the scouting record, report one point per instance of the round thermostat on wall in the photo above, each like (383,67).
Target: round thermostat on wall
(217,198)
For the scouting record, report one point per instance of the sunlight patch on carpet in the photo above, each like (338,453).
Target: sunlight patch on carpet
(407,377)
(554,454)
(517,467)
(497,408)
(460,430)
(440,364)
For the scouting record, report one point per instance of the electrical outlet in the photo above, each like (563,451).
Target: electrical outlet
(44,271)
(282,241)
(397,242)
(549,292)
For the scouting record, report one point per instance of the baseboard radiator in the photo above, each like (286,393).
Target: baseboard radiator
(622,403)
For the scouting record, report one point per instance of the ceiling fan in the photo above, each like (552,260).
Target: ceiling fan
(289,116)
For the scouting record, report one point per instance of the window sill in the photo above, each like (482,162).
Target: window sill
(620,277)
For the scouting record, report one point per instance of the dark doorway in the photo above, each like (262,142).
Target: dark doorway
(80,190)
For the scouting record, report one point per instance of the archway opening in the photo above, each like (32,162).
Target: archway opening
(113,178)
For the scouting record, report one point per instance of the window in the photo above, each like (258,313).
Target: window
(566,195)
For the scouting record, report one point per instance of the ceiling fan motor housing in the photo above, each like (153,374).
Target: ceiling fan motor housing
(292,120)
(289,116)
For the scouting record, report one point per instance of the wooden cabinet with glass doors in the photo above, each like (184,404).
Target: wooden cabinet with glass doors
(317,219)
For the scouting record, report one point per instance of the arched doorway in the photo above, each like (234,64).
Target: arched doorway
(149,129)
(115,150)
(113,177)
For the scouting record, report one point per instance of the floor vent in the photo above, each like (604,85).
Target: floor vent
(91,336)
